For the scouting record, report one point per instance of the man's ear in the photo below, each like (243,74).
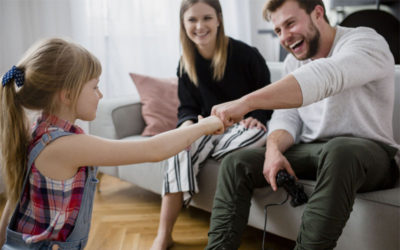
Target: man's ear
(319,12)
(65,97)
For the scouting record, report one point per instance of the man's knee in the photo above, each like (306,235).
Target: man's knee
(347,158)
(243,160)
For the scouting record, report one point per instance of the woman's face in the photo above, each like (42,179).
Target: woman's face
(201,25)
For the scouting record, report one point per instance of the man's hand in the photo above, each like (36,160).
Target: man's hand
(230,112)
(251,122)
(275,161)
(277,143)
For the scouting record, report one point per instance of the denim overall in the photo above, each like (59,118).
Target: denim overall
(79,236)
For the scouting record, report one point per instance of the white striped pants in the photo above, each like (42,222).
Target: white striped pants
(182,169)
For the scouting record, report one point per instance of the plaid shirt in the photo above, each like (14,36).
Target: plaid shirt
(49,208)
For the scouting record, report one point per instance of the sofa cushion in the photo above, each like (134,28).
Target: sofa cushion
(128,120)
(159,98)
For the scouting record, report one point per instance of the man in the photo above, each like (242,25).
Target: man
(334,125)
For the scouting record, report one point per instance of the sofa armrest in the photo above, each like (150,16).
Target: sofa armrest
(118,118)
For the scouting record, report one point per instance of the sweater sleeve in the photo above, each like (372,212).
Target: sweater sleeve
(188,108)
(359,57)
(286,119)
(260,74)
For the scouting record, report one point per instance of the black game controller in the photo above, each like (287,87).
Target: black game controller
(295,190)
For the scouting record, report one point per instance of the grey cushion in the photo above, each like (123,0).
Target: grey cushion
(128,120)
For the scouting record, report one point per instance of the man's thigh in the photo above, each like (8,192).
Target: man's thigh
(376,158)
(304,158)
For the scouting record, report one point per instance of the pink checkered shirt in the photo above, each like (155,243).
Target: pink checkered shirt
(49,208)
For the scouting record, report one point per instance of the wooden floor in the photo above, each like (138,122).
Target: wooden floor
(126,217)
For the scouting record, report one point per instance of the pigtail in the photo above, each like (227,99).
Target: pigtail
(14,134)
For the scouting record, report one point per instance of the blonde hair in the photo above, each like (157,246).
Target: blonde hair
(50,66)
(187,61)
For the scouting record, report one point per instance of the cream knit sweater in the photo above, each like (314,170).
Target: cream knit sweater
(350,92)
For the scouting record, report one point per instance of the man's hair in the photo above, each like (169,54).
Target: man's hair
(308,5)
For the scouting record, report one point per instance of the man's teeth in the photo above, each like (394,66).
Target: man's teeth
(295,44)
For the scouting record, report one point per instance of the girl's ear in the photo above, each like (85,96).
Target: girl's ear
(65,97)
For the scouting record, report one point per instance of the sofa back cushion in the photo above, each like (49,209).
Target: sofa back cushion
(159,98)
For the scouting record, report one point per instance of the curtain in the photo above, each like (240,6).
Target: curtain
(140,36)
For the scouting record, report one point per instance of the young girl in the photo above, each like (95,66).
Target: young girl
(213,69)
(49,181)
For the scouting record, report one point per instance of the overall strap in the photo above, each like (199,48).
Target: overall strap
(43,142)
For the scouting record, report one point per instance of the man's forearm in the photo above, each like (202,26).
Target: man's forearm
(282,94)
(279,140)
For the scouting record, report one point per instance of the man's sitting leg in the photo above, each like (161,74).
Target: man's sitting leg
(347,165)
(240,172)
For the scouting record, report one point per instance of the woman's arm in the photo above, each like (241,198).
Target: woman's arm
(189,105)
(71,152)
(259,77)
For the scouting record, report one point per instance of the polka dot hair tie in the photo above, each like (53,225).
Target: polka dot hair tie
(14,73)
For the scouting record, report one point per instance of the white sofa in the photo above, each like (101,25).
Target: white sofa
(375,220)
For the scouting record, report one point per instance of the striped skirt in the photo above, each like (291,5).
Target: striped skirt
(182,169)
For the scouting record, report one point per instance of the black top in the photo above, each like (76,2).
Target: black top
(246,71)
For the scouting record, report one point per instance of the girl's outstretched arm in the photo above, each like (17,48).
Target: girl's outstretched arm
(71,152)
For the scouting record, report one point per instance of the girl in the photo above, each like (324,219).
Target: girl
(49,181)
(213,69)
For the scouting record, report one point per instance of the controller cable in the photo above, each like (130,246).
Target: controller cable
(265,216)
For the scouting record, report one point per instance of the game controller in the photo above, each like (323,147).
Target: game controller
(294,189)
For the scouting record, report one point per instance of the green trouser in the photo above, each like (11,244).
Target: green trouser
(341,167)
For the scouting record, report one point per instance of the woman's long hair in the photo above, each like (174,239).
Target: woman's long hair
(219,59)
(49,67)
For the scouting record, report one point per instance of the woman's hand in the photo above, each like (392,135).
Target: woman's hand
(251,122)
(186,123)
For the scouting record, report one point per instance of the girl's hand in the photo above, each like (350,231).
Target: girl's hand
(251,122)
(214,124)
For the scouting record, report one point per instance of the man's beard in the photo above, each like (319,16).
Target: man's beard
(312,41)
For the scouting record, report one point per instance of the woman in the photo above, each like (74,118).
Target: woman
(213,69)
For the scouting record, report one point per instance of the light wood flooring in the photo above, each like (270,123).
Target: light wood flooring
(126,217)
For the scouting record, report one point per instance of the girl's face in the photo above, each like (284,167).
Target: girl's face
(88,100)
(201,25)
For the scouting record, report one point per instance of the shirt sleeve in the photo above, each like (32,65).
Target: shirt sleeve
(286,119)
(261,77)
(359,57)
(188,108)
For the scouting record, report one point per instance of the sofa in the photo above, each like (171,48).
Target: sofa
(374,222)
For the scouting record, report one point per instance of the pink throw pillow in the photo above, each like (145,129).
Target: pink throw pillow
(159,98)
